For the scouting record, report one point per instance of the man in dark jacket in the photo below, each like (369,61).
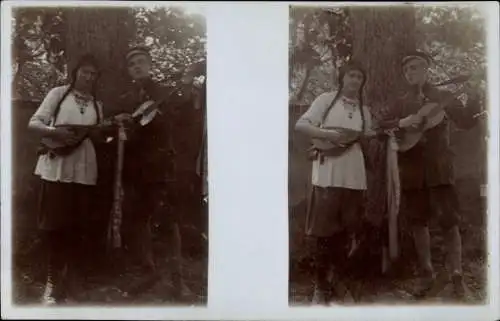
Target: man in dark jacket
(426,170)
(147,169)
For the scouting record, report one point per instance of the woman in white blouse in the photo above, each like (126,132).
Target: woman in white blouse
(67,181)
(338,178)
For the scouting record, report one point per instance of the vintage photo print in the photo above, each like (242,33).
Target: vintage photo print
(388,155)
(319,209)
(109,195)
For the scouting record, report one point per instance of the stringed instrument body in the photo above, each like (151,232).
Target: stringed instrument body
(347,138)
(57,147)
(432,114)
(147,111)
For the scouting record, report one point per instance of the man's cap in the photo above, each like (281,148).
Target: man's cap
(415,55)
(138,50)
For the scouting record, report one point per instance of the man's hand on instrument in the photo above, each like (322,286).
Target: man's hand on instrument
(413,121)
(474,99)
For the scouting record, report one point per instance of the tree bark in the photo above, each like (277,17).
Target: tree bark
(381,37)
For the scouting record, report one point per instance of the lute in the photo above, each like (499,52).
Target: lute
(432,113)
(56,147)
(348,137)
(148,110)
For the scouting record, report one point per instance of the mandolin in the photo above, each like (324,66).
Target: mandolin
(56,147)
(348,138)
(148,110)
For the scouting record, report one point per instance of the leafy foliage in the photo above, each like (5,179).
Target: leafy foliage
(321,39)
(174,45)
(38,48)
(175,37)
(455,38)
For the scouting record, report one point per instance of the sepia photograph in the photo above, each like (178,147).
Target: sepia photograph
(388,131)
(354,174)
(109,157)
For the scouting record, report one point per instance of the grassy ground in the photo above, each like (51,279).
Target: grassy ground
(399,289)
(104,290)
(104,286)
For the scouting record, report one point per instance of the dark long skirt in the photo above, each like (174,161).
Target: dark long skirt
(64,206)
(62,218)
(332,210)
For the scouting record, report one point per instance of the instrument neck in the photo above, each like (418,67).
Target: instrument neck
(146,89)
(145,84)
(422,91)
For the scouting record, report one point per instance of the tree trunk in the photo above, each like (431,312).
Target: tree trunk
(381,36)
(105,33)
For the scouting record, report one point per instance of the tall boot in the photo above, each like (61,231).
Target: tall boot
(421,237)
(144,248)
(345,287)
(49,295)
(180,290)
(73,277)
(53,292)
(454,260)
(322,287)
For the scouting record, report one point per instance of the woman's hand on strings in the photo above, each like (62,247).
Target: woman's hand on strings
(64,135)
(333,136)
(413,121)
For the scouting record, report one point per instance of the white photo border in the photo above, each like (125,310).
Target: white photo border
(248,156)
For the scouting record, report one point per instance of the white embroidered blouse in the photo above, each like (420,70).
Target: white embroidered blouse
(347,170)
(81,165)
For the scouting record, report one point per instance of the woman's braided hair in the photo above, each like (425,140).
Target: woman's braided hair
(351,65)
(85,60)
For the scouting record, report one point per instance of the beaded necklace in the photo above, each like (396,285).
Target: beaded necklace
(82,100)
(350,105)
